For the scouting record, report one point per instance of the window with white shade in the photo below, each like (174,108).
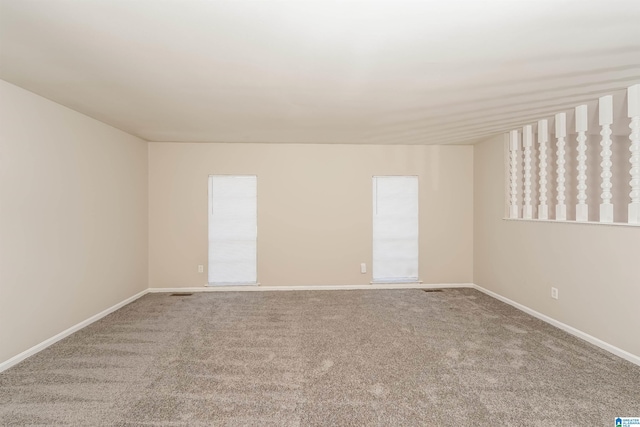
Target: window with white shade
(232,230)
(395,229)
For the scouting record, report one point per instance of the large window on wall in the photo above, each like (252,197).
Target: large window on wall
(232,229)
(395,229)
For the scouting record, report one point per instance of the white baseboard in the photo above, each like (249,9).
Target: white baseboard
(573,331)
(245,288)
(46,343)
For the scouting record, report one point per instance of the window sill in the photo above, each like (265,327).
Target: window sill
(218,285)
(396,282)
(616,224)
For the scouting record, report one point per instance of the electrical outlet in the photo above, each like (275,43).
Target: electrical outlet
(554,293)
(201,269)
(363,268)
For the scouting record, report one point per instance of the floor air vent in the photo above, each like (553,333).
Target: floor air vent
(181,294)
(432,290)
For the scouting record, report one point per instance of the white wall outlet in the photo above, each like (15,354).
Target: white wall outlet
(201,269)
(554,293)
(363,268)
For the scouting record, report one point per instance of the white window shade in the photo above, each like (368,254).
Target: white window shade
(232,229)
(395,228)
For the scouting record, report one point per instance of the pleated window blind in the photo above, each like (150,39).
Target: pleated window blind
(395,229)
(232,230)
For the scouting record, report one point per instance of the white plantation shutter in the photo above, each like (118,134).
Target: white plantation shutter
(232,229)
(395,228)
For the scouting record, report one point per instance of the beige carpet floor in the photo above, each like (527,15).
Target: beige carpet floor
(320,358)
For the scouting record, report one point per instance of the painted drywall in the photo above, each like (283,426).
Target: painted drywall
(314,209)
(73,218)
(594,267)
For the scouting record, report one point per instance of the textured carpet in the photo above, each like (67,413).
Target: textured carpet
(350,358)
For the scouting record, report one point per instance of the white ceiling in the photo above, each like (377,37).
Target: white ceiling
(374,72)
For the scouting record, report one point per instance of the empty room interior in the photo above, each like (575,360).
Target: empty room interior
(297,213)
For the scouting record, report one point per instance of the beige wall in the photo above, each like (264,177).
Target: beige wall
(73,218)
(77,219)
(594,267)
(314,209)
